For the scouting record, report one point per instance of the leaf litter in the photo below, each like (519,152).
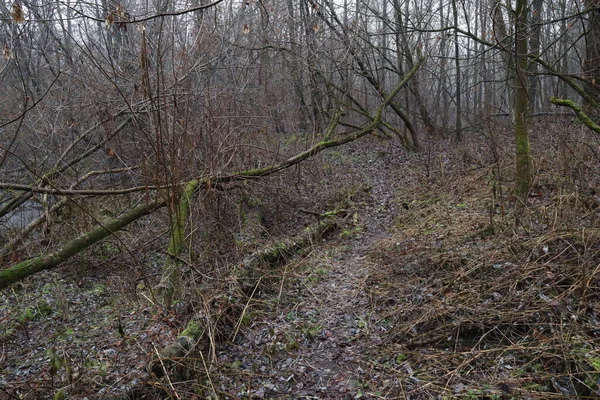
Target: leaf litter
(437,286)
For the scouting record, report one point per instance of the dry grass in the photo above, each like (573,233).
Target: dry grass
(480,298)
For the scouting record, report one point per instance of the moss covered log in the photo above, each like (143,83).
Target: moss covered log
(188,340)
(581,115)
(198,332)
(32,266)
(280,252)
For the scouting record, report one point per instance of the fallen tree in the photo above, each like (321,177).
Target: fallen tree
(169,279)
(199,334)
(32,266)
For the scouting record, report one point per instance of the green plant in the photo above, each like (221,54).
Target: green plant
(99,288)
(43,308)
(292,345)
(311,332)
(291,316)
(27,315)
(400,358)
(362,323)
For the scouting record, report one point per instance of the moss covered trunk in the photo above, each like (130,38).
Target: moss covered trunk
(169,282)
(29,267)
(522,103)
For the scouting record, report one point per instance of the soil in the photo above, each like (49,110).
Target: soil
(429,289)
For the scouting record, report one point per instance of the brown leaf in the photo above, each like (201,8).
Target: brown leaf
(110,20)
(6,53)
(17,13)
(246,29)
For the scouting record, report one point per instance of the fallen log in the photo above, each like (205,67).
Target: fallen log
(200,331)
(32,266)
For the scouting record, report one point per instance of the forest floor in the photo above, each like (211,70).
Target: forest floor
(436,285)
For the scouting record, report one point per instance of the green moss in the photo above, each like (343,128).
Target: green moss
(27,314)
(48,288)
(60,395)
(346,233)
(578,111)
(99,288)
(400,358)
(43,308)
(595,363)
(192,330)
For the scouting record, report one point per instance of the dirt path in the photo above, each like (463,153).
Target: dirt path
(324,325)
(306,339)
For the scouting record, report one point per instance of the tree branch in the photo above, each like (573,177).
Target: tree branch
(581,115)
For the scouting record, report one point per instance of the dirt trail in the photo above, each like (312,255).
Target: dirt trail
(313,349)
(306,339)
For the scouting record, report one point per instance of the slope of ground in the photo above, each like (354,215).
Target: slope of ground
(436,286)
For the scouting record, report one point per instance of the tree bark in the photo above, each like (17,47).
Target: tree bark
(32,266)
(170,272)
(536,11)
(581,115)
(591,65)
(458,121)
(522,103)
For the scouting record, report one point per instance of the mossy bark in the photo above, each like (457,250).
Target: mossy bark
(279,252)
(169,282)
(167,359)
(252,267)
(581,115)
(29,267)
(522,103)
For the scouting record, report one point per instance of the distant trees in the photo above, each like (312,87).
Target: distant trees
(133,100)
(149,104)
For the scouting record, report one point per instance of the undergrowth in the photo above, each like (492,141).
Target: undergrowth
(480,297)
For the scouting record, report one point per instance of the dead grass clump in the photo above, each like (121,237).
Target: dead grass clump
(482,299)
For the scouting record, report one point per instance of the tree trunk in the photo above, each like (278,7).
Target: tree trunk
(169,282)
(502,37)
(521,103)
(32,266)
(591,65)
(536,11)
(458,123)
